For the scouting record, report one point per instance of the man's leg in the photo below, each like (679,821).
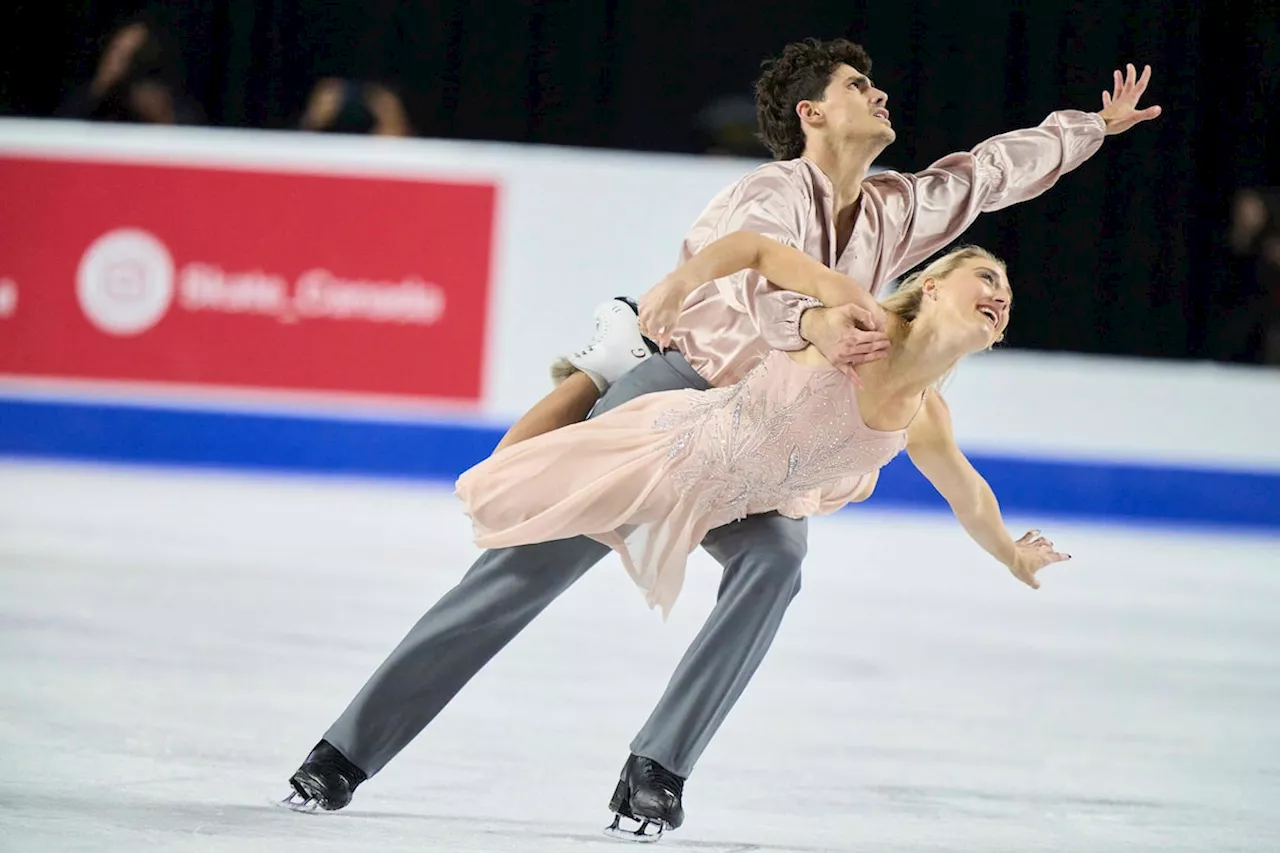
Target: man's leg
(761,556)
(503,591)
(501,594)
(497,598)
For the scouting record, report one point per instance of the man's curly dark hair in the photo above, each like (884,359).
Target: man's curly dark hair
(800,73)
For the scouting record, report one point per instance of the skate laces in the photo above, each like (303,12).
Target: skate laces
(601,328)
(334,762)
(660,777)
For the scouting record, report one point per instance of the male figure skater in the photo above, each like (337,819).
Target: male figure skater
(826,123)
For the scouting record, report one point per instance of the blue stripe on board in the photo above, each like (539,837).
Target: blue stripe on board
(1105,490)
(441,451)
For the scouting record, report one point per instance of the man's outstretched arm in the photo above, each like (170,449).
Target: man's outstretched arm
(926,211)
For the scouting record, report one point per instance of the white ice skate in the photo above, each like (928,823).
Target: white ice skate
(616,348)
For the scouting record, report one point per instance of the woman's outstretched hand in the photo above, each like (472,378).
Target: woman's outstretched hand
(1031,554)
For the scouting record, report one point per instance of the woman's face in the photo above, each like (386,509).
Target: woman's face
(973,301)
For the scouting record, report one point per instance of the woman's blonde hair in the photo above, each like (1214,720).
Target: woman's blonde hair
(905,301)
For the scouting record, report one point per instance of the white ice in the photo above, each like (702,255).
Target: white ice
(172,644)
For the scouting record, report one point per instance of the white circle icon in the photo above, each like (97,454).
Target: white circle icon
(125,281)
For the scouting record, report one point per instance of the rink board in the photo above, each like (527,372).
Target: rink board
(441,450)
(385,308)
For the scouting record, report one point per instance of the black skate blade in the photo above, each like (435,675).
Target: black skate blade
(640,835)
(295,802)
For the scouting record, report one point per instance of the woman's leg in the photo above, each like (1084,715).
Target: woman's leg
(569,403)
(581,378)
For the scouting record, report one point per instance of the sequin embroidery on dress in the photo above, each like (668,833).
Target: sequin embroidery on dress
(772,437)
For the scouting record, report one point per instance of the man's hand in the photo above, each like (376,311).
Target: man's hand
(660,308)
(1120,107)
(1031,554)
(847,335)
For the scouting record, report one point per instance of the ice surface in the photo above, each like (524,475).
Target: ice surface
(173,643)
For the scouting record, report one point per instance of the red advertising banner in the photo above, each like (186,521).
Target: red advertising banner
(224,277)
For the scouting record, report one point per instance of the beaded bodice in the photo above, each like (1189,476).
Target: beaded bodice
(783,431)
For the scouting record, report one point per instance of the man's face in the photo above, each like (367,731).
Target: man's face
(852,108)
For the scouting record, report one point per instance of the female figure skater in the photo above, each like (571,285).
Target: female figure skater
(651,478)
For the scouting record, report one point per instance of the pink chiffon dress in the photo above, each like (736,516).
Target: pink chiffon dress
(653,476)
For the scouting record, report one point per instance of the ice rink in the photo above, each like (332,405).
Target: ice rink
(172,644)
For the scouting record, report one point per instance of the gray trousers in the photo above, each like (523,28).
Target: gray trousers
(506,588)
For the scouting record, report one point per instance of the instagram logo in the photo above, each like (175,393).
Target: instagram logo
(125,282)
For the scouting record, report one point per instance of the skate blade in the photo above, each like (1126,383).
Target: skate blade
(646,830)
(295,802)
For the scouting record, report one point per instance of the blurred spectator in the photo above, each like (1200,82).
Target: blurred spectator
(1254,241)
(351,106)
(137,80)
(727,127)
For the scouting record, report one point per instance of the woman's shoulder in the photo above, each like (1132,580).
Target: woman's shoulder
(933,420)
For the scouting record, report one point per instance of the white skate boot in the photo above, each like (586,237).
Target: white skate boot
(617,346)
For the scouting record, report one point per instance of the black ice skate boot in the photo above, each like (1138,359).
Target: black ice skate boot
(649,795)
(325,780)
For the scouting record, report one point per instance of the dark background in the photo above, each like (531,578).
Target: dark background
(1128,255)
